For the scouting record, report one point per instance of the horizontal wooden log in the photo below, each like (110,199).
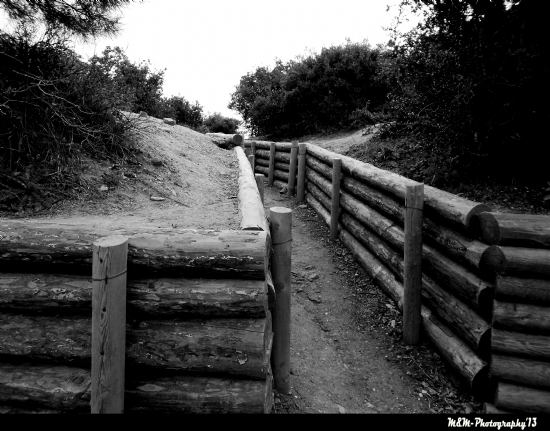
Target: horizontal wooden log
(452,311)
(517,344)
(174,298)
(458,211)
(522,399)
(61,389)
(515,289)
(527,318)
(319,167)
(452,348)
(450,274)
(224,140)
(490,409)
(279,157)
(265,145)
(524,371)
(466,362)
(41,246)
(251,207)
(519,230)
(527,262)
(235,347)
(319,208)
(466,250)
(280,175)
(262,162)
(461,357)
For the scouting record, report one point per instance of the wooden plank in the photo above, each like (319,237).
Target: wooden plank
(300,195)
(457,211)
(31,388)
(232,347)
(109,324)
(518,344)
(66,248)
(251,208)
(522,399)
(166,298)
(514,289)
(281,232)
(292,169)
(414,204)
(521,261)
(526,318)
(518,230)
(335,197)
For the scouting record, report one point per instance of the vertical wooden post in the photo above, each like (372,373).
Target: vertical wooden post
(292,170)
(251,160)
(253,150)
(414,205)
(109,324)
(335,209)
(301,187)
(271,173)
(260,183)
(281,236)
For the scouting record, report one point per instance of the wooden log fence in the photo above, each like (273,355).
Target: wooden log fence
(195,330)
(480,268)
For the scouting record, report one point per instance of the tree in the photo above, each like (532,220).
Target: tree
(217,123)
(84,18)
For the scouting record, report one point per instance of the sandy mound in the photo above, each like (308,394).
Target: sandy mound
(197,180)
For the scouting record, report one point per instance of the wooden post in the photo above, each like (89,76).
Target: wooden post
(301,187)
(335,209)
(108,324)
(292,169)
(271,173)
(414,204)
(281,234)
(251,160)
(260,178)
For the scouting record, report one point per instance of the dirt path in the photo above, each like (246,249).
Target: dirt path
(346,350)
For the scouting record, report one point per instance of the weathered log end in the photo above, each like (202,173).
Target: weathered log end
(488,227)
(472,222)
(494,259)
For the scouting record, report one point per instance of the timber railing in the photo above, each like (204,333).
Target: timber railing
(468,254)
(194,319)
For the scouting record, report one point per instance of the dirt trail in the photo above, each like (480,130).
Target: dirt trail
(346,352)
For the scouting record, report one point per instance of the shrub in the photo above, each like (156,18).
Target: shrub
(217,123)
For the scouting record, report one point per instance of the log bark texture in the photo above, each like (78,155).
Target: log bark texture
(173,298)
(519,230)
(251,208)
(461,356)
(527,318)
(458,211)
(517,344)
(279,157)
(265,145)
(522,399)
(525,371)
(451,310)
(527,262)
(236,347)
(456,277)
(226,141)
(319,208)
(39,246)
(62,389)
(280,175)
(513,289)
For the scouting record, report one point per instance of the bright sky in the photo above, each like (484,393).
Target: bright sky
(207,45)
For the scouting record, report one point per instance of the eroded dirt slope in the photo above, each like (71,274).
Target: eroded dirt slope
(178,177)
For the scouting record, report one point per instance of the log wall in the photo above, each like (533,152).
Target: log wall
(199,329)
(486,275)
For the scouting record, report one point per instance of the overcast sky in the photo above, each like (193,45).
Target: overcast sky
(207,45)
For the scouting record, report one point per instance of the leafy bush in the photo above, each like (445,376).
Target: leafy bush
(312,94)
(217,123)
(471,83)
